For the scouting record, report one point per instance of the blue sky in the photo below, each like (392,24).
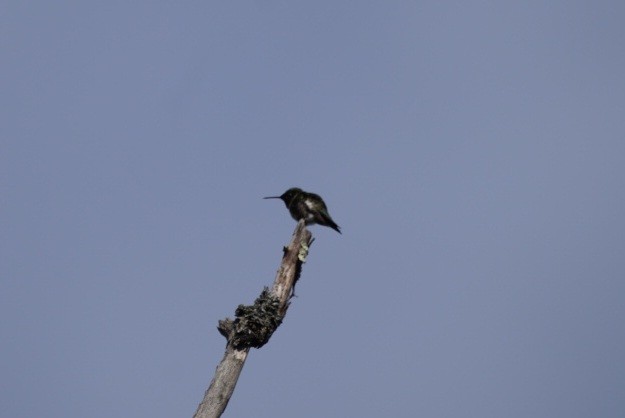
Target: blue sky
(473,154)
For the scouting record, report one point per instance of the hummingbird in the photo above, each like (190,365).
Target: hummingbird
(307,206)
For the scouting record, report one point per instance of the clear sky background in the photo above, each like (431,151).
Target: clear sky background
(472,152)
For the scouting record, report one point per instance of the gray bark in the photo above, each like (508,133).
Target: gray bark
(254,325)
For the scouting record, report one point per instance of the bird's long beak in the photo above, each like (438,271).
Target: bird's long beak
(272,197)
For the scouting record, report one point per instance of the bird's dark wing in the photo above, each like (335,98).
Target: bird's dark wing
(316,198)
(325,219)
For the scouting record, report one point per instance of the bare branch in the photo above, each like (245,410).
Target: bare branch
(254,325)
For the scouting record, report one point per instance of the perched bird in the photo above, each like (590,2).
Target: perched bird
(307,206)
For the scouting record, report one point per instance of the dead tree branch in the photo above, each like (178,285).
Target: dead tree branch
(254,324)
